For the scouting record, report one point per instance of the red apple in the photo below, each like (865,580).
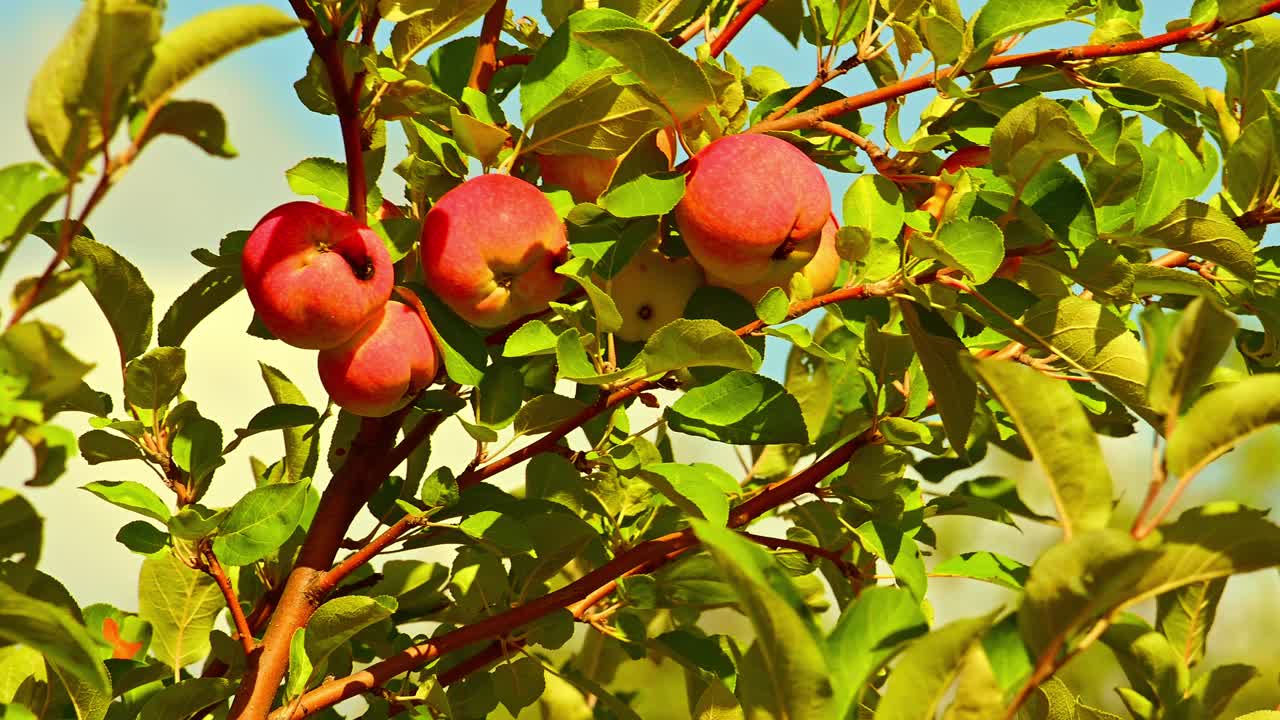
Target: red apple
(388,210)
(586,177)
(314,274)
(383,366)
(821,271)
(966,157)
(490,248)
(651,290)
(753,209)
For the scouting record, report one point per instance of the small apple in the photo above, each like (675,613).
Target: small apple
(651,290)
(753,209)
(821,271)
(586,177)
(314,274)
(383,366)
(389,210)
(966,157)
(490,248)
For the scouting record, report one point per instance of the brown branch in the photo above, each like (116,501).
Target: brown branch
(735,26)
(878,157)
(486,59)
(325,584)
(811,117)
(364,470)
(510,60)
(595,584)
(846,568)
(329,50)
(208,562)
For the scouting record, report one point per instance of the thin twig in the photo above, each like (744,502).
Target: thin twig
(210,565)
(735,26)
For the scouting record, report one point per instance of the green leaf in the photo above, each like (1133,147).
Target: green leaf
(477,138)
(27,191)
(519,683)
(32,353)
(116,285)
(601,118)
(978,691)
(260,522)
(200,122)
(531,338)
(420,23)
(940,350)
(974,245)
(54,632)
(868,633)
(579,269)
(773,306)
(544,413)
(1105,571)
(694,343)
(197,449)
(80,93)
(1186,616)
(340,619)
(461,347)
(672,77)
(275,417)
(998,19)
(1056,430)
(987,566)
(799,682)
(142,537)
(644,195)
(21,529)
(301,446)
(690,488)
(1213,691)
(1220,420)
(189,309)
(1204,231)
(153,380)
(874,202)
(923,674)
(181,604)
(183,700)
(1095,341)
(131,496)
(1199,341)
(501,531)
(740,408)
(99,446)
(1034,136)
(205,39)
(321,178)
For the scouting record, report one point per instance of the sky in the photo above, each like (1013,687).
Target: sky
(177,199)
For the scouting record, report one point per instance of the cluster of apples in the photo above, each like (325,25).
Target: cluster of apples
(756,210)
(321,280)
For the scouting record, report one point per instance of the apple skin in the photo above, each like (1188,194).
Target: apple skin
(821,271)
(490,248)
(389,210)
(651,290)
(966,157)
(314,274)
(381,368)
(753,209)
(586,177)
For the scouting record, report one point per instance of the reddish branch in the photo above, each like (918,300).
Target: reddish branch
(735,26)
(836,557)
(595,584)
(210,565)
(486,60)
(509,60)
(813,116)
(329,49)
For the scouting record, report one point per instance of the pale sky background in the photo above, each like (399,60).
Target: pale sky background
(176,199)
